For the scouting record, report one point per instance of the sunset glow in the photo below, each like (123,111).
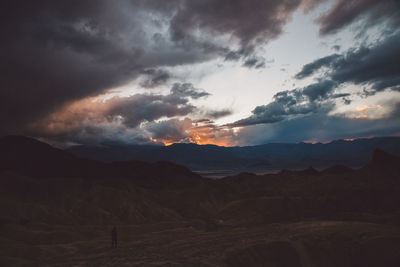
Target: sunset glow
(201,138)
(247,73)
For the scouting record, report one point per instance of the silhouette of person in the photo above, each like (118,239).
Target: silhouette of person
(114,237)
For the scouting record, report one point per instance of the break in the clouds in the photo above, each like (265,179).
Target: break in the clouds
(64,64)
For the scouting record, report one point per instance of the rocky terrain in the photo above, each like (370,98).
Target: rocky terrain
(58,210)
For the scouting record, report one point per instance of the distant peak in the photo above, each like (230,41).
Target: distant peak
(381,157)
(21,140)
(310,170)
(183,144)
(337,169)
(16,137)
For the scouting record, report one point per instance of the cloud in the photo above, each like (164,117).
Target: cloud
(376,65)
(186,130)
(188,90)
(396,111)
(366,112)
(95,134)
(318,127)
(139,108)
(320,90)
(55,53)
(251,22)
(170,131)
(154,78)
(254,62)
(116,113)
(346,12)
(216,114)
(316,65)
(286,104)
(231,29)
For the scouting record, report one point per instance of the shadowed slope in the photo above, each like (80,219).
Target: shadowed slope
(33,158)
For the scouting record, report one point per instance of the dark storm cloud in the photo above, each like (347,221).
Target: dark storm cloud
(376,65)
(173,130)
(251,22)
(314,66)
(216,114)
(154,78)
(55,52)
(139,108)
(61,52)
(133,114)
(95,134)
(249,60)
(286,104)
(187,90)
(345,12)
(254,62)
(341,95)
(233,56)
(320,90)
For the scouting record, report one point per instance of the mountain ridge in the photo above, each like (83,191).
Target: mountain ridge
(31,157)
(264,158)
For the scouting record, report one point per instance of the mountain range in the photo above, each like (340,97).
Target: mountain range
(218,161)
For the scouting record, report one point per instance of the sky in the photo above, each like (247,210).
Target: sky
(224,72)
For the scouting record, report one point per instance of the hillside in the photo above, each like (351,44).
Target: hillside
(166,215)
(37,159)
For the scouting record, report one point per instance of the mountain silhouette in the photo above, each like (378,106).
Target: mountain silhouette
(33,158)
(383,158)
(261,158)
(337,169)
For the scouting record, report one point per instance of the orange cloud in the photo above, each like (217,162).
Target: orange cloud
(80,116)
(366,107)
(367,112)
(200,132)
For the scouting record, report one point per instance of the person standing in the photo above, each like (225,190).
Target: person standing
(114,237)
